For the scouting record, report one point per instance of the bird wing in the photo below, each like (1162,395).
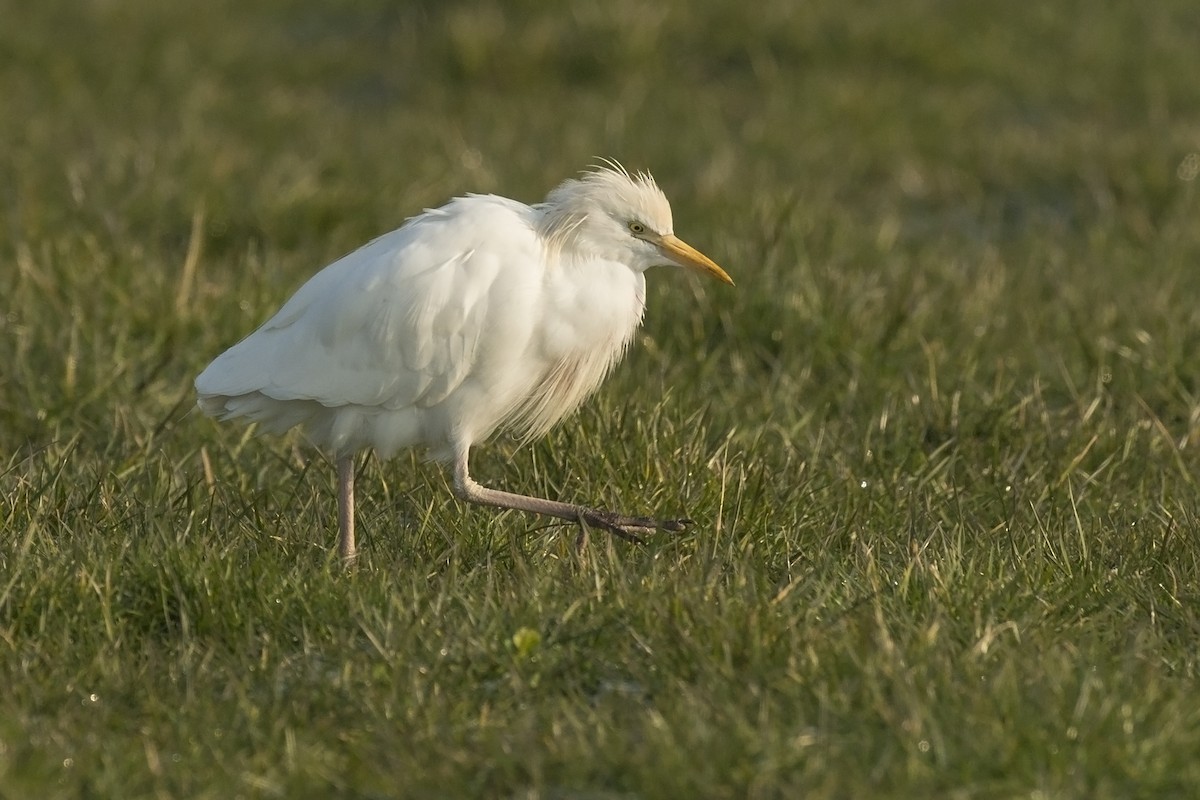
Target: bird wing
(394,324)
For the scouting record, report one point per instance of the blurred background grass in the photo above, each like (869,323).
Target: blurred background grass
(941,440)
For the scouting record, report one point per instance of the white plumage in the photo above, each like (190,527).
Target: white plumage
(483,314)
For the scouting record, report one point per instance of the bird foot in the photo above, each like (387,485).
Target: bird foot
(627,528)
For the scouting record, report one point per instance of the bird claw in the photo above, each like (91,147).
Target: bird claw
(624,527)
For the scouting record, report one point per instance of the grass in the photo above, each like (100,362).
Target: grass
(942,440)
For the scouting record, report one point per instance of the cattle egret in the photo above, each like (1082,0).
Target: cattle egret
(482,315)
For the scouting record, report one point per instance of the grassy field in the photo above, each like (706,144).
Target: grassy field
(942,441)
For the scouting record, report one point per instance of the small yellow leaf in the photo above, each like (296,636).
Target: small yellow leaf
(526,640)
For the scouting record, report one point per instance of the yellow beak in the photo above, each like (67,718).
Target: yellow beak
(685,255)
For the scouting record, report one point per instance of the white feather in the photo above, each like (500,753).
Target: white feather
(481,314)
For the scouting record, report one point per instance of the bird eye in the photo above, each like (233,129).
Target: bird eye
(637,227)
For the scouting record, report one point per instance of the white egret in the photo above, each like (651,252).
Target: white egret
(482,315)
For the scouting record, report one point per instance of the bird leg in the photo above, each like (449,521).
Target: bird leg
(345,468)
(624,527)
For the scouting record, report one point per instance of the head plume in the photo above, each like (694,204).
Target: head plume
(607,188)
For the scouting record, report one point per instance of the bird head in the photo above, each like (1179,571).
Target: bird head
(613,214)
